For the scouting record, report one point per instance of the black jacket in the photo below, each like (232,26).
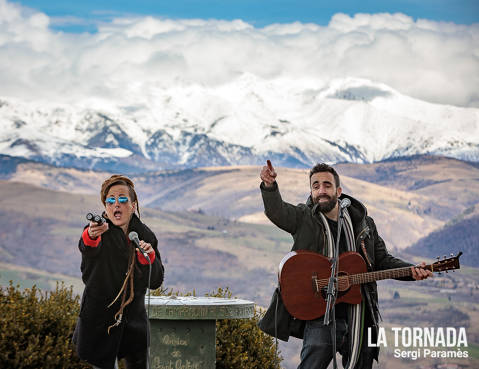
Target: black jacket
(308,232)
(103,271)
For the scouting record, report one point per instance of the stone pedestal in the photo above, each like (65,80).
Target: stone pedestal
(183,329)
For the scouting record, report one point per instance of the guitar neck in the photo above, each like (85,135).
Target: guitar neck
(380,274)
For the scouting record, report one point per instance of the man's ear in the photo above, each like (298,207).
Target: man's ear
(339,191)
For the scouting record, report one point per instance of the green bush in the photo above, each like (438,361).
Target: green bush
(240,344)
(36,328)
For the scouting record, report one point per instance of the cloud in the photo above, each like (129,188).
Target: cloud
(434,61)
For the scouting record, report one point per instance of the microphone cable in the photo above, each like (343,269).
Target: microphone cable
(148,338)
(133,236)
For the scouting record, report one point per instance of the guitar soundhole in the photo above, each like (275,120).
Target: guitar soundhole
(344,286)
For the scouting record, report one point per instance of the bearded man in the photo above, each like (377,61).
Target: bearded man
(314,227)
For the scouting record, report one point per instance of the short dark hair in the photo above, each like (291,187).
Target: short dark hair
(323,167)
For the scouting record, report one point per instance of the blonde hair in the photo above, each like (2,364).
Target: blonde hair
(118,179)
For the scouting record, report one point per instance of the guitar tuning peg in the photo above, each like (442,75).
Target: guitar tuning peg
(438,257)
(446,271)
(439,273)
(452,254)
(445,256)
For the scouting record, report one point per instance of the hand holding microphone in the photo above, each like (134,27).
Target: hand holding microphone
(144,247)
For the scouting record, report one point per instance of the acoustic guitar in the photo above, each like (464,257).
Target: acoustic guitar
(303,278)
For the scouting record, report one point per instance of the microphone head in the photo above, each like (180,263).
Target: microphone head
(345,203)
(133,236)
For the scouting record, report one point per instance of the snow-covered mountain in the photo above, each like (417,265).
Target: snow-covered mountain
(293,123)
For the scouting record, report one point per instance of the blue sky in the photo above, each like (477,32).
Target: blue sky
(78,16)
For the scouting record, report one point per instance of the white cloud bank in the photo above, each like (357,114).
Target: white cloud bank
(434,61)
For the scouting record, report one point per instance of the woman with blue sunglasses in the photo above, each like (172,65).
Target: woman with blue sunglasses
(113,323)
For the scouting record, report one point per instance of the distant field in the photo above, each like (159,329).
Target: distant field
(27,277)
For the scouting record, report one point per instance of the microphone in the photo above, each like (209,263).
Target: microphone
(345,203)
(133,236)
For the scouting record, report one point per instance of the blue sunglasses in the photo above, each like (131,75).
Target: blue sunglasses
(121,200)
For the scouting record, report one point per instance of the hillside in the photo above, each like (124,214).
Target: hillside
(26,277)
(400,215)
(404,210)
(215,215)
(460,234)
(449,185)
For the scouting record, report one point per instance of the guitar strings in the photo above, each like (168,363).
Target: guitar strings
(345,281)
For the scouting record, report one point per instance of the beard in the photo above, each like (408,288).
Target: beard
(326,207)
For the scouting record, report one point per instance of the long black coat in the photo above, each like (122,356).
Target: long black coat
(308,232)
(103,271)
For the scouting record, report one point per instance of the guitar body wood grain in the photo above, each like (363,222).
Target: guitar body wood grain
(303,279)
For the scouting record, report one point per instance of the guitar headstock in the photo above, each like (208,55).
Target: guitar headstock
(446,264)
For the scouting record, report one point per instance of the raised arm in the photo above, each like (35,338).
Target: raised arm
(284,215)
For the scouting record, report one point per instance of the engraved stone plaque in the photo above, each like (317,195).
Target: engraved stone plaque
(183,329)
(182,344)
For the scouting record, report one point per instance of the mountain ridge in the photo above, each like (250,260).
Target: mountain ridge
(244,122)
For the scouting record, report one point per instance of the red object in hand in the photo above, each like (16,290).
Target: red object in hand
(88,241)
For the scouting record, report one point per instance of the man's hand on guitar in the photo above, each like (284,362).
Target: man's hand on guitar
(268,174)
(418,273)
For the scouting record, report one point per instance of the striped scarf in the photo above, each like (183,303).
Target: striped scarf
(355,312)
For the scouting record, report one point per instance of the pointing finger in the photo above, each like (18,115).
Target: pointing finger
(272,172)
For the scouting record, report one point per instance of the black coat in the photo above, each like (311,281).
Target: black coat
(308,232)
(103,271)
